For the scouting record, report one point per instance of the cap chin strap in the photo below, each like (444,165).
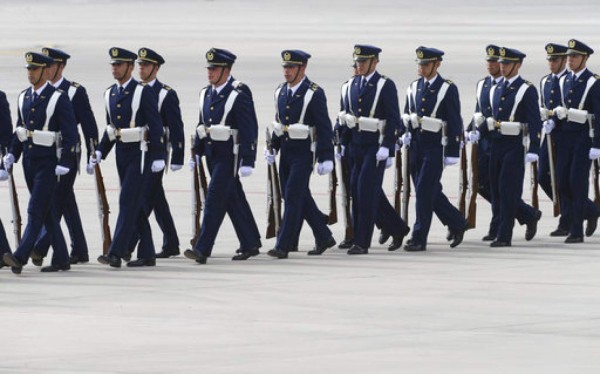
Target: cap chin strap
(40,78)
(581,63)
(297,73)
(511,71)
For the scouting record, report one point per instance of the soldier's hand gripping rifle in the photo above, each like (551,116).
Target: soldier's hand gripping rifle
(273,195)
(199,186)
(103,208)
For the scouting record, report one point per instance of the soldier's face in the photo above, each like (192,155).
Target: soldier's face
(147,71)
(493,67)
(293,73)
(366,67)
(428,70)
(34,74)
(576,62)
(556,64)
(509,69)
(121,70)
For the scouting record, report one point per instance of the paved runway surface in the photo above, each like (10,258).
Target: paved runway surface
(532,308)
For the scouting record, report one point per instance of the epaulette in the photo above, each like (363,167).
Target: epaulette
(384,76)
(448,81)
(168,88)
(75,84)
(314,86)
(527,82)
(596,76)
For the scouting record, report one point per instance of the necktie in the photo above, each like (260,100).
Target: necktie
(34,96)
(289,94)
(494,82)
(426,86)
(214,93)
(363,83)
(573,78)
(121,89)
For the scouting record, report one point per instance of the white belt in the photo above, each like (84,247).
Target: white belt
(367,124)
(219,133)
(426,123)
(505,127)
(127,135)
(296,131)
(38,137)
(578,116)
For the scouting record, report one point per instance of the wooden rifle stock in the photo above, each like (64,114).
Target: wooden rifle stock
(273,195)
(103,208)
(332,218)
(534,186)
(196,198)
(464,182)
(16,211)
(406,184)
(552,167)
(474,188)
(398,180)
(596,165)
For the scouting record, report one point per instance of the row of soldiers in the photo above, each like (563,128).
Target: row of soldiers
(144,125)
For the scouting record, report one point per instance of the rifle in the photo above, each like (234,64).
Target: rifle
(596,166)
(196,198)
(273,195)
(406,184)
(464,181)
(333,182)
(398,180)
(103,208)
(14,203)
(474,188)
(534,185)
(552,166)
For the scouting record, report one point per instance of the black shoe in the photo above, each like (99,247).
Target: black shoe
(78,260)
(574,239)
(398,239)
(56,268)
(15,265)
(414,247)
(358,250)
(409,241)
(114,261)
(560,232)
(320,248)
(384,236)
(2,264)
(532,226)
(489,237)
(36,258)
(457,238)
(345,244)
(193,255)
(294,249)
(127,257)
(166,253)
(278,253)
(246,254)
(590,228)
(498,243)
(449,236)
(141,262)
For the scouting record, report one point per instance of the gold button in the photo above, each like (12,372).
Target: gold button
(287,107)
(551,101)
(502,99)
(569,101)
(287,117)
(118,105)
(30,146)
(211,108)
(359,100)
(210,120)
(118,117)
(33,109)
(551,91)
(570,91)
(360,110)
(499,109)
(423,99)
(31,122)
(422,109)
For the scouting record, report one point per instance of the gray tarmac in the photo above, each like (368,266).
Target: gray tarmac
(531,308)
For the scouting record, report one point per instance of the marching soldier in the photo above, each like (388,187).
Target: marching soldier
(226,136)
(5,136)
(433,111)
(64,196)
(149,63)
(576,121)
(133,123)
(46,135)
(372,117)
(302,133)
(515,122)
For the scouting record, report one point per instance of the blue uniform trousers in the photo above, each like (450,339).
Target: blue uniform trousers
(144,233)
(41,182)
(132,218)
(545,181)
(573,171)
(295,169)
(164,218)
(366,180)
(426,169)
(242,219)
(507,170)
(65,205)
(386,217)
(4,246)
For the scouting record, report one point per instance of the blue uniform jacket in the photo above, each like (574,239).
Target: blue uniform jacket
(343,133)
(5,123)
(572,94)
(527,112)
(448,111)
(241,117)
(483,104)
(83,113)
(170,114)
(34,117)
(387,109)
(316,116)
(147,115)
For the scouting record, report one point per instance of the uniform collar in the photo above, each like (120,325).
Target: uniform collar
(513,79)
(577,75)
(220,88)
(41,89)
(295,88)
(563,72)
(368,77)
(58,82)
(497,80)
(125,84)
(431,81)
(152,82)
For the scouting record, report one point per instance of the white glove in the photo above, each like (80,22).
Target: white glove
(474,136)
(389,162)
(594,153)
(325,167)
(269,156)
(548,126)
(449,161)
(340,154)
(245,171)
(96,158)
(531,157)
(176,167)
(491,123)
(406,119)
(3,175)
(382,154)
(560,112)
(9,160)
(193,161)
(543,113)
(478,118)
(398,146)
(406,138)
(61,170)
(157,166)
(89,168)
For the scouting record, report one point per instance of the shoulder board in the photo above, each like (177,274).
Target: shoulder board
(314,86)
(527,82)
(596,76)
(240,84)
(168,88)
(384,77)
(75,84)
(448,81)
(59,90)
